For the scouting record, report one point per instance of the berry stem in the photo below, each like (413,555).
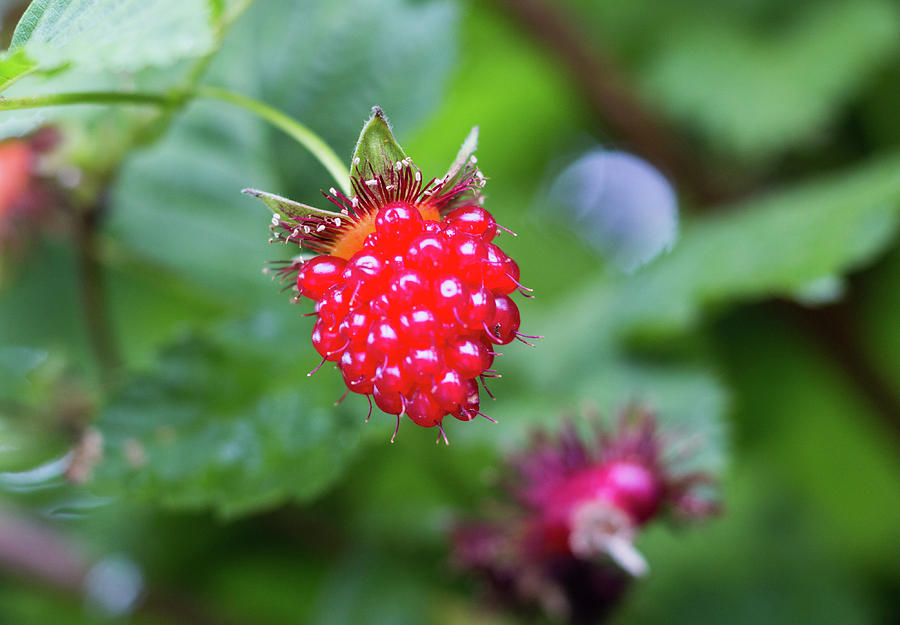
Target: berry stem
(302,134)
(176,99)
(89,97)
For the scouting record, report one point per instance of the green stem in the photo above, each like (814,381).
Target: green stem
(306,137)
(92,97)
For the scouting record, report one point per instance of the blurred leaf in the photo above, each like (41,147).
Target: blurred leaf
(376,148)
(227,420)
(797,408)
(875,320)
(328,63)
(760,92)
(765,247)
(352,595)
(117,35)
(180,205)
(13,65)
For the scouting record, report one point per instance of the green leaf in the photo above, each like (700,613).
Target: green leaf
(227,420)
(377,150)
(283,206)
(771,246)
(117,35)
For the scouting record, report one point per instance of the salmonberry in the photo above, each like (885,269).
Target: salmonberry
(411,291)
(573,508)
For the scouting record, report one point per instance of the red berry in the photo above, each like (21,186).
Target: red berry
(469,357)
(449,297)
(411,313)
(384,339)
(479,309)
(358,369)
(466,255)
(334,304)
(421,365)
(424,410)
(318,274)
(389,378)
(500,272)
(398,223)
(468,410)
(328,341)
(505,321)
(391,401)
(473,220)
(405,286)
(419,326)
(428,252)
(450,391)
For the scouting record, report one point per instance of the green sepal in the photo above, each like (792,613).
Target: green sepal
(283,206)
(376,148)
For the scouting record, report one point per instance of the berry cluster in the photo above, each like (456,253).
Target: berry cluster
(412,317)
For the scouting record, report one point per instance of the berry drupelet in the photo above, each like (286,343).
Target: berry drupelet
(411,292)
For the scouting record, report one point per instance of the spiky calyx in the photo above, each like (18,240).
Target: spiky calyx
(411,292)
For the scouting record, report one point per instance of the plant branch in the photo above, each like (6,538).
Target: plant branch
(94,298)
(302,134)
(90,97)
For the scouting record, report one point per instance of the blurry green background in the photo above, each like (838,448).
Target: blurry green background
(239,493)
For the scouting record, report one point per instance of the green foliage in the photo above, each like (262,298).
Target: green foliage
(214,418)
(754,91)
(221,422)
(767,247)
(114,34)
